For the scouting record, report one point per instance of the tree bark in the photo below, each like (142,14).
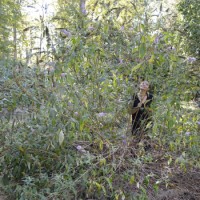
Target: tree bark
(15,42)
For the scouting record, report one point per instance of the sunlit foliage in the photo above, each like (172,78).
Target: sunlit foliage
(64,122)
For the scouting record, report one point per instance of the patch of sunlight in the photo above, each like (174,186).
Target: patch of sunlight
(191,105)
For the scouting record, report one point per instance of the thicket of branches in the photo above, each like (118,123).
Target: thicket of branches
(65,83)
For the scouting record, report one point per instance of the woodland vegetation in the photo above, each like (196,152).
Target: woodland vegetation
(66,76)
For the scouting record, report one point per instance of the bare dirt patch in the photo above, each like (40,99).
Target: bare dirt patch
(183,187)
(2,196)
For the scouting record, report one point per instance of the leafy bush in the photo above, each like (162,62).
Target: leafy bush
(190,11)
(76,144)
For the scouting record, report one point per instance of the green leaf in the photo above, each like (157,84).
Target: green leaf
(142,50)
(109,182)
(52,113)
(81,125)
(101,145)
(29,165)
(136,67)
(5,179)
(102,162)
(99,186)
(132,179)
(61,137)
(114,81)
(21,149)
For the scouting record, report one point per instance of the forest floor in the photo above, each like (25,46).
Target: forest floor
(2,196)
(182,187)
(180,184)
(176,183)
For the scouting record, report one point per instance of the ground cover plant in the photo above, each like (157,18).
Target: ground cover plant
(65,130)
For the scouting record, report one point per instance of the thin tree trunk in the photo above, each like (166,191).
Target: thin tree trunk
(15,42)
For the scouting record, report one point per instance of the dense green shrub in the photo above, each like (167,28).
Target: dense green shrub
(190,11)
(76,144)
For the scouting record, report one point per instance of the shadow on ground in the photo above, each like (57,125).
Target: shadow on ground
(183,187)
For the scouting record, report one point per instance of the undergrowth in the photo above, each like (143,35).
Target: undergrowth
(72,150)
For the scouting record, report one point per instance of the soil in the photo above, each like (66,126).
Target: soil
(183,187)
(2,197)
(2,194)
(176,183)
